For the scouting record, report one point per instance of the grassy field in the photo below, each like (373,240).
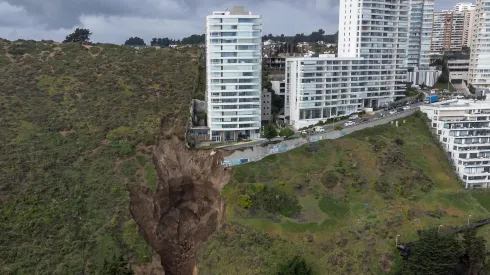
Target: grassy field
(355,195)
(77,124)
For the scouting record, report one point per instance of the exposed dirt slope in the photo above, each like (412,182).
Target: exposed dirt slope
(187,206)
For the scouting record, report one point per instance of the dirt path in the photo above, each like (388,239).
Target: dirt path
(141,168)
(93,54)
(6,48)
(56,50)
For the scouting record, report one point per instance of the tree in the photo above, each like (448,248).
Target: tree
(286,132)
(79,35)
(245,201)
(266,81)
(116,266)
(134,41)
(270,131)
(475,253)
(433,254)
(295,266)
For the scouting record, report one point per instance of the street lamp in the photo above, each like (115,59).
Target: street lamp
(439,228)
(396,240)
(469,220)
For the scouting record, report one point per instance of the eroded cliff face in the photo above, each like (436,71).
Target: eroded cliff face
(187,206)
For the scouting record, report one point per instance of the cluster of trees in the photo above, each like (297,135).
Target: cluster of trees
(315,36)
(190,40)
(438,253)
(79,35)
(134,41)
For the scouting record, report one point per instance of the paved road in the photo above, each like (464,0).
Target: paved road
(461,88)
(379,118)
(246,155)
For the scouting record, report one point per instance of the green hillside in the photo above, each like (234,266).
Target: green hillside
(340,204)
(77,124)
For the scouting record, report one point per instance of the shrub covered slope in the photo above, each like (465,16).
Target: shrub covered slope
(77,124)
(340,204)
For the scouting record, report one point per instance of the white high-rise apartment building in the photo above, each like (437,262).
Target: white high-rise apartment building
(327,86)
(421,12)
(479,72)
(377,30)
(233,68)
(369,72)
(464,6)
(463,128)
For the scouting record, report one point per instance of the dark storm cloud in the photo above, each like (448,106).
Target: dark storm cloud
(115,20)
(66,13)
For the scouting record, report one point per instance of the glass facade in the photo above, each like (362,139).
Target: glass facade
(421,12)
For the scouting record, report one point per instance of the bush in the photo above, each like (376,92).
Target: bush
(338,127)
(276,201)
(295,266)
(330,179)
(286,132)
(245,201)
(399,141)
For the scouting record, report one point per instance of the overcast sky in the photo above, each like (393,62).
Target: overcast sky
(114,21)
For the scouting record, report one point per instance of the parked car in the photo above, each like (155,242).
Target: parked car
(365,120)
(349,123)
(399,110)
(392,112)
(406,108)
(354,116)
(319,129)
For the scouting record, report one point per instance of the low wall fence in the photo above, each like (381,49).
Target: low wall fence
(258,152)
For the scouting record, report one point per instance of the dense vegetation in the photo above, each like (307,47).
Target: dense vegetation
(315,36)
(191,40)
(79,35)
(340,204)
(438,253)
(77,124)
(134,41)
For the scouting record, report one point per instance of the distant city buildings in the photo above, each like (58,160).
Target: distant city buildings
(447,32)
(464,6)
(463,128)
(233,70)
(479,71)
(469,20)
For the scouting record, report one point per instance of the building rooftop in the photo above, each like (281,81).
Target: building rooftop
(457,103)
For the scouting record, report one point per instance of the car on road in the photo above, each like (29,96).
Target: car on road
(349,123)
(399,110)
(364,120)
(392,112)
(406,108)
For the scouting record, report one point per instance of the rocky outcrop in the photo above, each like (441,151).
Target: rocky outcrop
(187,206)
